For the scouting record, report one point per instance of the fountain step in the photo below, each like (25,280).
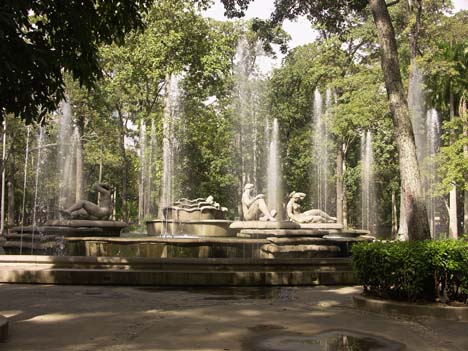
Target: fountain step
(321,226)
(86,223)
(174,272)
(265,233)
(264,225)
(297,241)
(58,230)
(299,251)
(77,229)
(325,233)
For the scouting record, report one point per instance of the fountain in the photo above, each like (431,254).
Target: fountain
(433,141)
(202,217)
(426,128)
(45,233)
(274,190)
(170,144)
(368,201)
(273,243)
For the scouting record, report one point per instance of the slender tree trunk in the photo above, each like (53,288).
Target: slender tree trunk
(345,197)
(11,189)
(453,210)
(394,216)
(123,154)
(141,185)
(99,178)
(412,195)
(2,207)
(339,183)
(79,172)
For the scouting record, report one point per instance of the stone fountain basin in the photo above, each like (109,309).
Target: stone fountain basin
(199,228)
(193,213)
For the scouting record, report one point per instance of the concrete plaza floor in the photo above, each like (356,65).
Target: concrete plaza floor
(72,318)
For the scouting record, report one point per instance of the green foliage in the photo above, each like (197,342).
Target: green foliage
(39,40)
(452,163)
(413,271)
(176,40)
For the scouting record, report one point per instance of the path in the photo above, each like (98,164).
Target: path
(79,318)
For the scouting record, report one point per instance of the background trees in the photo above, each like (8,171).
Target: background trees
(227,106)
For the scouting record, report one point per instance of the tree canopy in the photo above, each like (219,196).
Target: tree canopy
(42,39)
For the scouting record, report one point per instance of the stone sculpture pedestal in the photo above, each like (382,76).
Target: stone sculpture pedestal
(288,239)
(73,227)
(48,238)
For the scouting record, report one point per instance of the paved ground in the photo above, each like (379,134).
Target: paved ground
(72,318)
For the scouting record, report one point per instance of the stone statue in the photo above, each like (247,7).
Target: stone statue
(255,207)
(87,210)
(311,216)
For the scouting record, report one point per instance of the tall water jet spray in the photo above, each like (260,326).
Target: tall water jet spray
(320,186)
(416,104)
(69,162)
(147,154)
(39,161)
(433,144)
(25,181)
(141,181)
(274,189)
(368,201)
(170,144)
(151,161)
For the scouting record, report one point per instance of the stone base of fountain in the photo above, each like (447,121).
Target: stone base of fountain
(48,238)
(254,225)
(199,228)
(311,240)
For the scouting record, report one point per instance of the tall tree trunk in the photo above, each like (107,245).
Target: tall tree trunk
(2,207)
(453,210)
(412,195)
(99,178)
(394,216)
(11,187)
(79,172)
(123,154)
(141,185)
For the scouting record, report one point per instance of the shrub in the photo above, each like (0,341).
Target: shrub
(413,271)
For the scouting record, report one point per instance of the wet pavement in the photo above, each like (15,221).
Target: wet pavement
(72,318)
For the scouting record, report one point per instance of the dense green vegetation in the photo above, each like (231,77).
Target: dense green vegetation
(226,108)
(414,271)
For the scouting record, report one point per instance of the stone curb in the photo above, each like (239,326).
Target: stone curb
(3,328)
(409,309)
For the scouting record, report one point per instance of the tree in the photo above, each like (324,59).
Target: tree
(42,39)
(176,40)
(333,16)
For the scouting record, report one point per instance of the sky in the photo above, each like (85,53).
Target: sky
(300,30)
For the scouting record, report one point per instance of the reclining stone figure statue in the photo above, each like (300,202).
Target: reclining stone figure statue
(311,216)
(84,209)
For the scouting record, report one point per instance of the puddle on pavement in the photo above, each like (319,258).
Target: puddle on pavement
(329,341)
